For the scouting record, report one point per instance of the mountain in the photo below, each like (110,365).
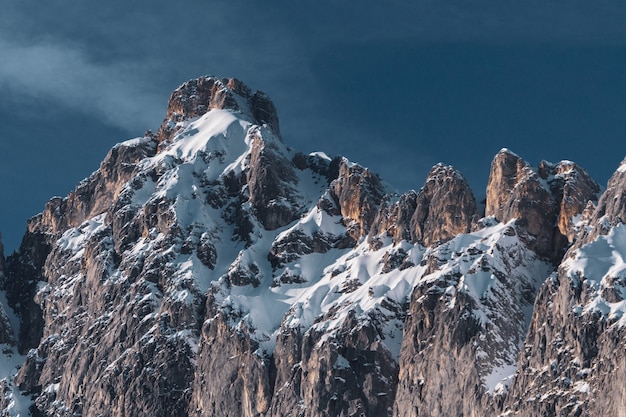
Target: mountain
(210,270)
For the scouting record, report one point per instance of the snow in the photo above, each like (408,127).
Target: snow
(622,167)
(73,240)
(321,155)
(331,286)
(497,382)
(601,265)
(10,362)
(132,143)
(581,386)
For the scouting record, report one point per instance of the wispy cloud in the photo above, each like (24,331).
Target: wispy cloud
(67,76)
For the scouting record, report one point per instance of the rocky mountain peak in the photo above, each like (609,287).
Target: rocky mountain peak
(444,207)
(544,200)
(358,193)
(198,96)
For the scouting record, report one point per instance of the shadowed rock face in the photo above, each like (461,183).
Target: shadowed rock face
(6,332)
(358,192)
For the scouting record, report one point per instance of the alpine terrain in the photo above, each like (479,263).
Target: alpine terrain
(208,269)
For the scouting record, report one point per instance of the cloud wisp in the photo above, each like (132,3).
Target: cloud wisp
(66,76)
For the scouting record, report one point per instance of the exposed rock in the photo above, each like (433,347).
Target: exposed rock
(445,207)
(358,192)
(196,97)
(210,270)
(611,208)
(545,202)
(573,189)
(466,323)
(574,351)
(271,184)
(351,373)
(395,219)
(232,377)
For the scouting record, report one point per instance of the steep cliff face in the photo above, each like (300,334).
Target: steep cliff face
(574,358)
(208,269)
(6,331)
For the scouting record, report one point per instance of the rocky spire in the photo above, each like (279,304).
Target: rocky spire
(358,192)
(444,207)
(611,209)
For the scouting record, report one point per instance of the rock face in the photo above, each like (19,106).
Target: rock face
(6,332)
(545,200)
(467,319)
(574,352)
(443,208)
(358,193)
(208,269)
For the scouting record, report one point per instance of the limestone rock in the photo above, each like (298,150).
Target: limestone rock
(611,208)
(573,189)
(445,207)
(466,323)
(573,353)
(545,201)
(358,193)
(211,270)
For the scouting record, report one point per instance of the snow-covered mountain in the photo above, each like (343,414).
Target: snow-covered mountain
(210,270)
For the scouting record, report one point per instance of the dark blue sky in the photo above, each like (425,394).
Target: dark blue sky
(393,86)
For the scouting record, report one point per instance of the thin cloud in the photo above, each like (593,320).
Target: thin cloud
(68,77)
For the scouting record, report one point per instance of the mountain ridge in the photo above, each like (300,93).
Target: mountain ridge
(209,269)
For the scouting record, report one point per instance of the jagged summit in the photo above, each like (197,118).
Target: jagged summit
(546,199)
(198,96)
(210,270)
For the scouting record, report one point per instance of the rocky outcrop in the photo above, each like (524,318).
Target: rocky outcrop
(358,192)
(6,332)
(196,97)
(271,184)
(92,197)
(350,373)
(572,189)
(443,208)
(611,208)
(545,201)
(232,376)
